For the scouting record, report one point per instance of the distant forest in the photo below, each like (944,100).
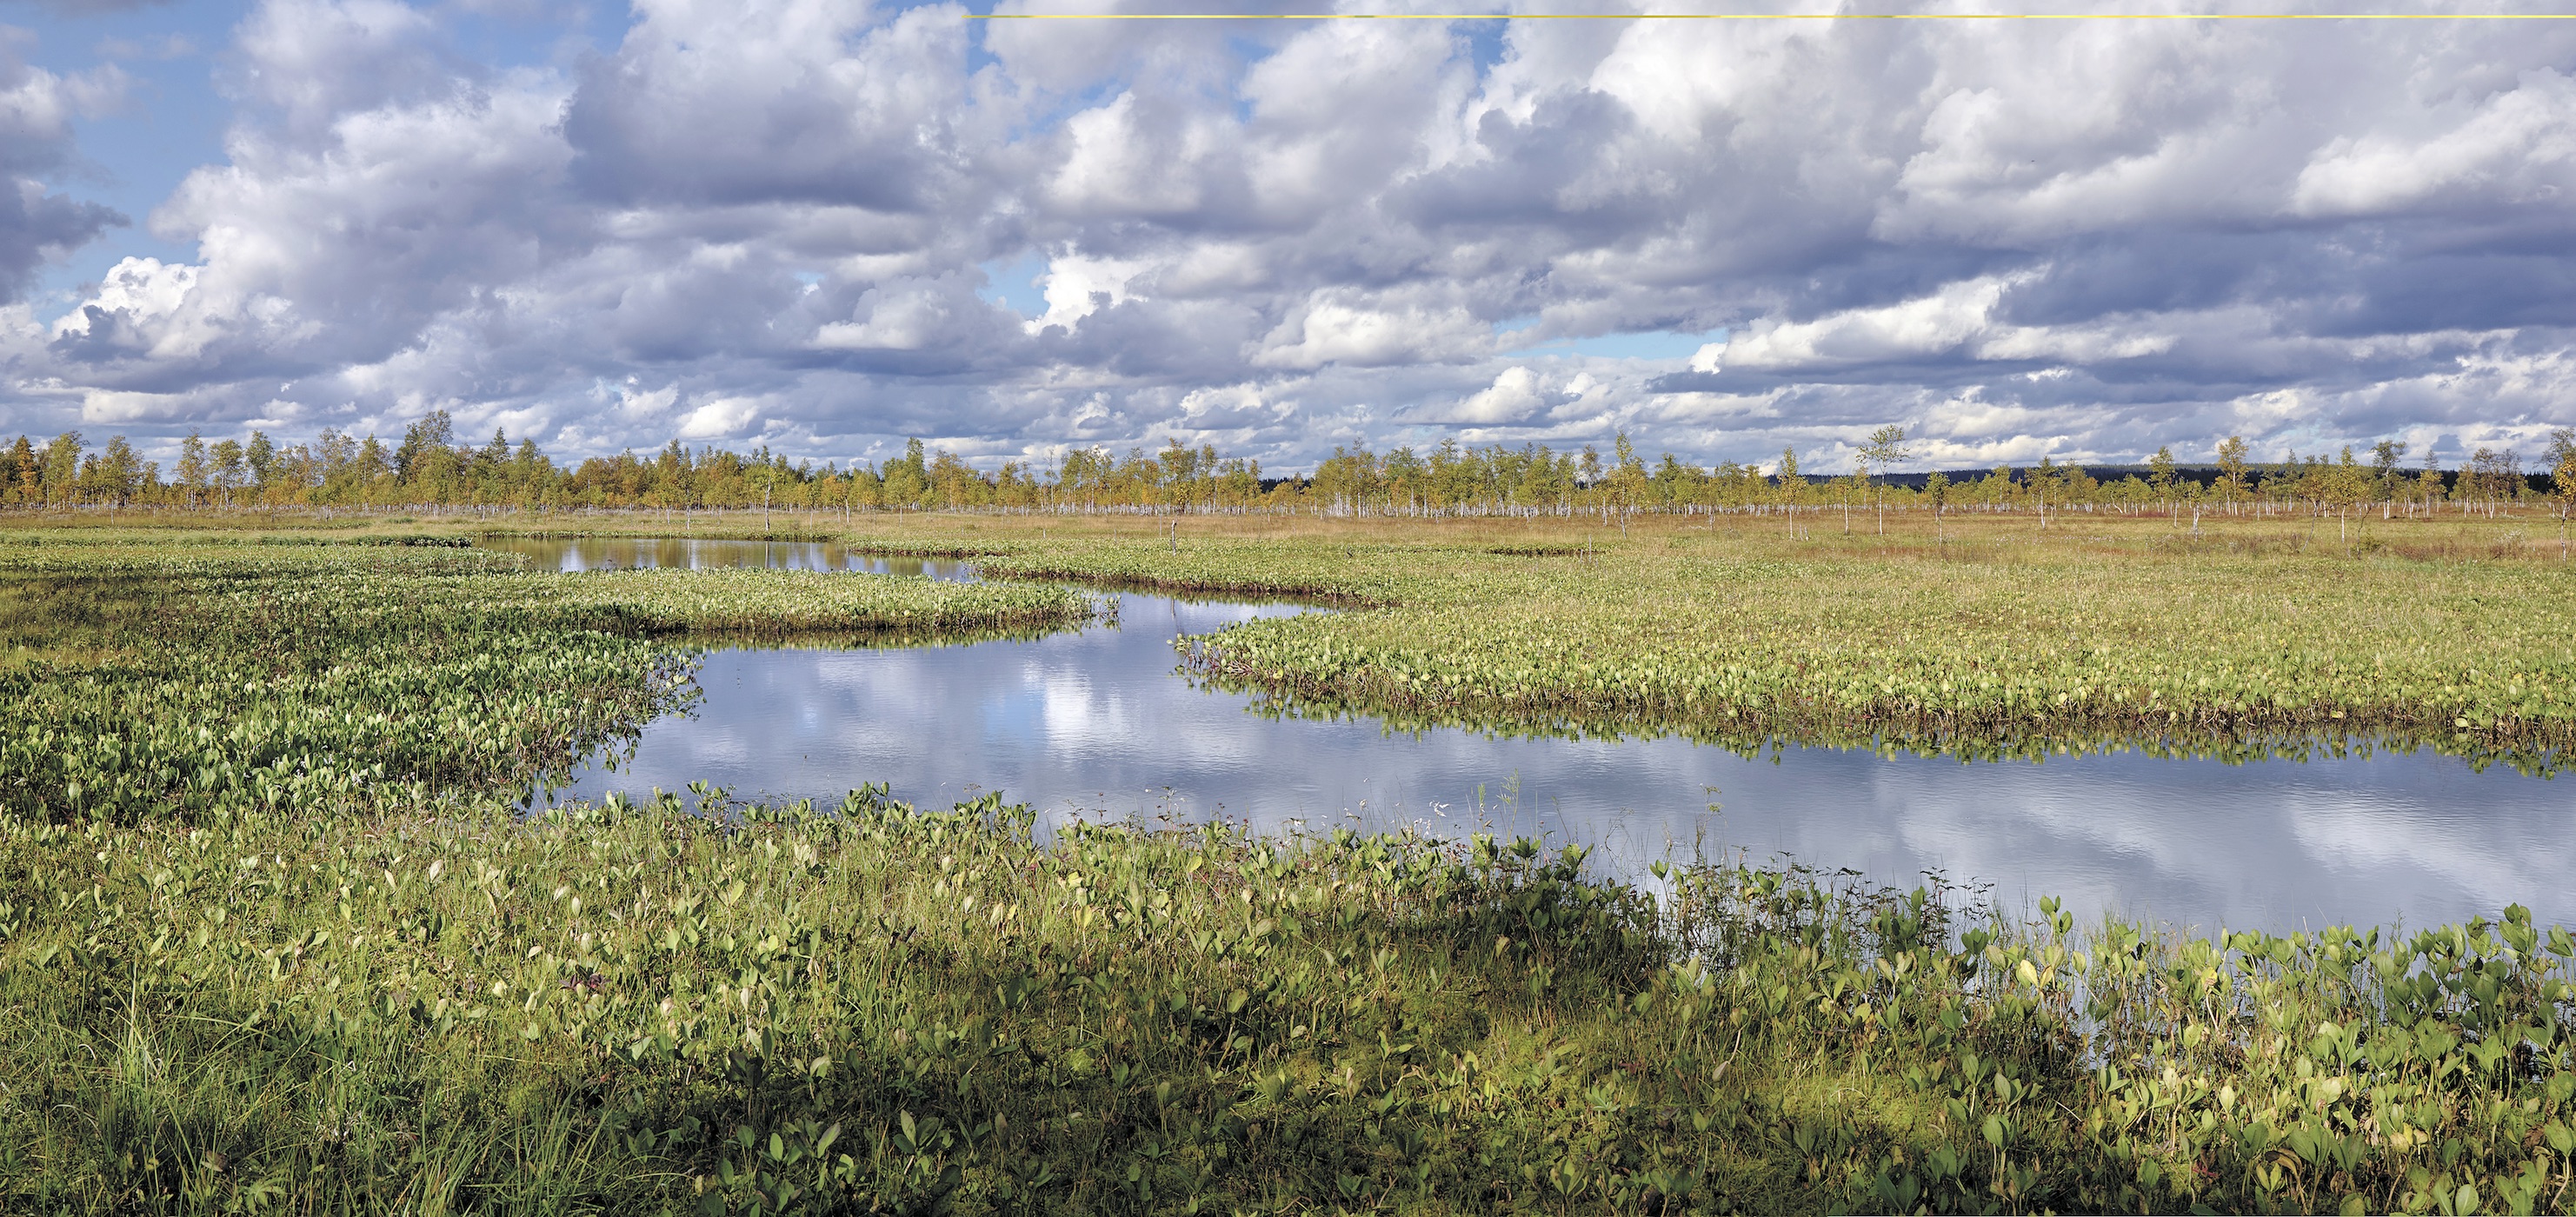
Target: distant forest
(429,468)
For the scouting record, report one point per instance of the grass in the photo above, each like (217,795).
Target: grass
(274,935)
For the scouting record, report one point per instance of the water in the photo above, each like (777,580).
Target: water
(637,553)
(1097,723)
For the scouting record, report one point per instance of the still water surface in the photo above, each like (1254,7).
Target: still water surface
(1098,723)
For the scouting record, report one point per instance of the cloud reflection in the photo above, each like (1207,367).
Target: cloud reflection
(1098,724)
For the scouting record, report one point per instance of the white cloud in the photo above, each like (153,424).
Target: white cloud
(1230,407)
(1075,285)
(1121,163)
(721,418)
(898,321)
(1347,328)
(1960,319)
(1514,396)
(135,295)
(111,407)
(2515,147)
(315,61)
(641,404)
(39,224)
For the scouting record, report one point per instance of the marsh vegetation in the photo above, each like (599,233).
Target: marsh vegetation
(275,935)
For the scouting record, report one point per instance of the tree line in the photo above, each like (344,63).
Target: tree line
(430,468)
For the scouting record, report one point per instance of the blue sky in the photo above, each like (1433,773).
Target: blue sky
(134,150)
(830,226)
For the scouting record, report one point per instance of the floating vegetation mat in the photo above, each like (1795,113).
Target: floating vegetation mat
(2053,650)
(170,682)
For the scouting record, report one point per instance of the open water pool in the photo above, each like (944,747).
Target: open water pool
(1100,723)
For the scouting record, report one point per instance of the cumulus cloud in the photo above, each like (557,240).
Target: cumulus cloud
(114,407)
(37,222)
(1345,327)
(1957,321)
(777,103)
(1229,408)
(766,222)
(1075,287)
(2507,149)
(898,317)
(1514,396)
(311,62)
(722,418)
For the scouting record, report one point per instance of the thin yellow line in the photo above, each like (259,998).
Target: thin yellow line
(1771,16)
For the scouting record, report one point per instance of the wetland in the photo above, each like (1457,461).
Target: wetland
(280,928)
(1102,722)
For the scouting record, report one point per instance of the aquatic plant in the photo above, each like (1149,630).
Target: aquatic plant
(149,681)
(275,935)
(695,1005)
(2199,654)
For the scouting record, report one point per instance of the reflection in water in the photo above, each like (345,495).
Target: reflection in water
(1098,723)
(630,553)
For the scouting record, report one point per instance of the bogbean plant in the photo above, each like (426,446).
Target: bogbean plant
(153,681)
(2123,1069)
(698,1007)
(640,1007)
(2047,652)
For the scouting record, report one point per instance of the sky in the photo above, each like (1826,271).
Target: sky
(826,226)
